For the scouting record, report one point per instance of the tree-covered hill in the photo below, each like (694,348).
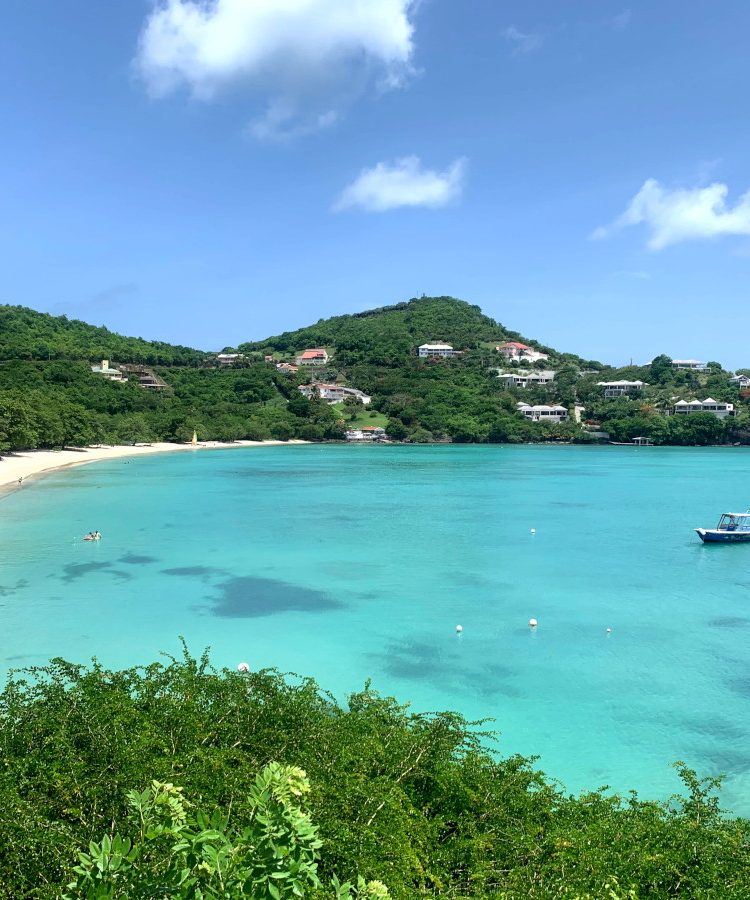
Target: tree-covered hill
(385,336)
(27,334)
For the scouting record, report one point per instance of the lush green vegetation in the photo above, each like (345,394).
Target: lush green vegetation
(49,396)
(89,757)
(26,334)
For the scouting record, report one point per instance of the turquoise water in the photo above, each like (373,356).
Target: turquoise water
(353,562)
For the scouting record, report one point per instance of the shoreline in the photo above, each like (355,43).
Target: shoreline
(30,464)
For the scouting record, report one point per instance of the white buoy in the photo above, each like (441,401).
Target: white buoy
(609,631)
(459,629)
(243,667)
(533,623)
(533,530)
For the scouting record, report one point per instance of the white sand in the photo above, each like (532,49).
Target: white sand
(30,463)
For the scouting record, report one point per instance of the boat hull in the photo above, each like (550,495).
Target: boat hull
(714,536)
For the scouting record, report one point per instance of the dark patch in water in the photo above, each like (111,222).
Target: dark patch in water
(7,591)
(193,571)
(74,571)
(421,661)
(135,559)
(414,660)
(741,686)
(713,727)
(729,622)
(566,504)
(727,760)
(246,597)
(122,575)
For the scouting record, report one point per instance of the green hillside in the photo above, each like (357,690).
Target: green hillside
(49,396)
(31,335)
(388,334)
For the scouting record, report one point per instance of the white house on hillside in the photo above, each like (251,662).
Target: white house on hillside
(526,379)
(438,348)
(316,356)
(694,365)
(107,372)
(741,381)
(720,410)
(543,413)
(621,388)
(334,393)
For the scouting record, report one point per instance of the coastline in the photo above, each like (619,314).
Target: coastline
(30,464)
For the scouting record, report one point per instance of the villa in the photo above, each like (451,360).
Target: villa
(315,356)
(621,388)
(287,368)
(543,413)
(107,372)
(693,365)
(526,379)
(333,393)
(741,381)
(437,349)
(229,359)
(368,433)
(520,352)
(720,410)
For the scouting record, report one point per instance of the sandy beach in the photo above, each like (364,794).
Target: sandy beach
(31,463)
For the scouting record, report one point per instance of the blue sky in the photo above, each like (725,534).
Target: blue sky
(217,172)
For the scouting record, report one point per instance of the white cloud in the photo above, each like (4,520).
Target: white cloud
(282,121)
(523,41)
(682,214)
(207,45)
(403,183)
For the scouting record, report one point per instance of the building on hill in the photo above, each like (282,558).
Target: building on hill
(108,372)
(543,413)
(334,393)
(621,388)
(229,359)
(367,434)
(437,349)
(741,381)
(520,352)
(693,365)
(720,410)
(526,379)
(287,368)
(315,356)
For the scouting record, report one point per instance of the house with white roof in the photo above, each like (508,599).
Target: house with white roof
(720,410)
(542,413)
(334,393)
(621,388)
(694,365)
(437,348)
(229,359)
(741,381)
(108,372)
(526,379)
(513,350)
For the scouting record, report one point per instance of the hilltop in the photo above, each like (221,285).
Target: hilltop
(389,334)
(27,334)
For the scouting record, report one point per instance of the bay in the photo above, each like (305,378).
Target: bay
(349,563)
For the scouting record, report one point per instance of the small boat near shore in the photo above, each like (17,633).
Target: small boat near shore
(733,528)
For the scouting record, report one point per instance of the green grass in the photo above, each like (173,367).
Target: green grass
(364,417)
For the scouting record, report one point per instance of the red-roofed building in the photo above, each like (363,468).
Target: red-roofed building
(313,357)
(520,352)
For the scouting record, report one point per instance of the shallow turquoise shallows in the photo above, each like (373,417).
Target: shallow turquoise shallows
(347,563)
